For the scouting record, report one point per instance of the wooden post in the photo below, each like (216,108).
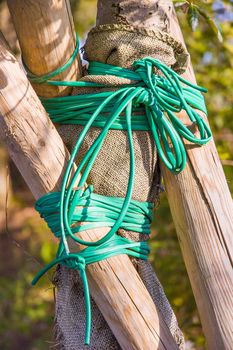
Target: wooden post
(40,155)
(199,197)
(202,211)
(4,190)
(49,23)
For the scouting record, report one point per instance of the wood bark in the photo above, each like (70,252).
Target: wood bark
(199,197)
(40,155)
(5,188)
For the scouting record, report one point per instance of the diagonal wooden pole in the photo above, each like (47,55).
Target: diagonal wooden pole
(40,155)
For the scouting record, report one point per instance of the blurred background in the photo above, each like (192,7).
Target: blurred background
(26,313)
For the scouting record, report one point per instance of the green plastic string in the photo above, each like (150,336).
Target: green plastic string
(46,77)
(155,101)
(149,103)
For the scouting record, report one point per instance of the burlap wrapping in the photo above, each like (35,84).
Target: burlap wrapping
(118,45)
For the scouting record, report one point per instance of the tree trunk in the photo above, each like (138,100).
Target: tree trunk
(40,155)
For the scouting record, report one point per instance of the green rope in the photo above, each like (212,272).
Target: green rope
(152,94)
(148,103)
(46,77)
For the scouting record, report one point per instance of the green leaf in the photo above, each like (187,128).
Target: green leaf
(212,24)
(215,28)
(193,17)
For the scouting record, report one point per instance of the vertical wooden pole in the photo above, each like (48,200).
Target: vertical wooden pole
(202,210)
(4,190)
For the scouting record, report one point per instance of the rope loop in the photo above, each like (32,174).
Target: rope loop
(77,263)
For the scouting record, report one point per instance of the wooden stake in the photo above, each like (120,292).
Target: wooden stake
(202,211)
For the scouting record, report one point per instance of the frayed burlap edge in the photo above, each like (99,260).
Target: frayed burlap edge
(180,53)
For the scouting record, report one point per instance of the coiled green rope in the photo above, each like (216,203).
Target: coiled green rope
(149,103)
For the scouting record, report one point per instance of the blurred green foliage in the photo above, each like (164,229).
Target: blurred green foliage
(26,313)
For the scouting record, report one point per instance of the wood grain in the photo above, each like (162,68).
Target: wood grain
(47,40)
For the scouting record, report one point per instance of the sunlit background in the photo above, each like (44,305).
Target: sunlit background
(26,313)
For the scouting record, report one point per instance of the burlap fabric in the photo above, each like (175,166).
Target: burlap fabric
(118,45)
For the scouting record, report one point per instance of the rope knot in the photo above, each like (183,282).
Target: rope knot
(145,69)
(145,97)
(77,263)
